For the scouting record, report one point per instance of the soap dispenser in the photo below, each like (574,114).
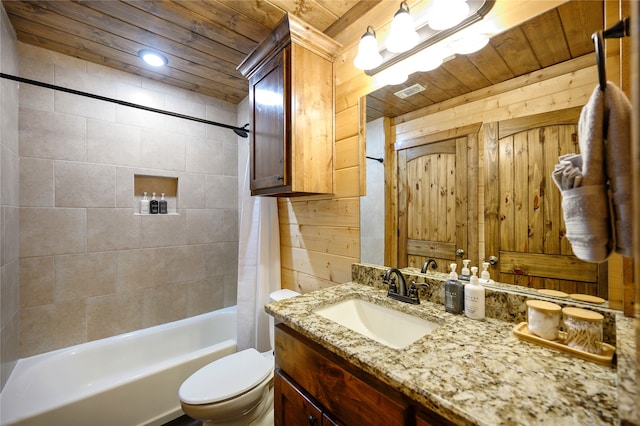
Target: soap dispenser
(474,297)
(453,293)
(465,274)
(485,277)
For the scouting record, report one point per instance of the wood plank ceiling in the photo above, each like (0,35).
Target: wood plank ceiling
(206,40)
(203,40)
(559,35)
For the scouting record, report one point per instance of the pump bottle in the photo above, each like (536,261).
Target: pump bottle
(453,293)
(144,204)
(474,297)
(162,205)
(153,204)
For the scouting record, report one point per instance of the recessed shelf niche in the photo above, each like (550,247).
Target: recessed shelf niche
(159,185)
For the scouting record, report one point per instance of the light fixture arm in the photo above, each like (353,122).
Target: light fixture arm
(404,7)
(370,31)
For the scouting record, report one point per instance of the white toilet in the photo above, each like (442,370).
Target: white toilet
(236,389)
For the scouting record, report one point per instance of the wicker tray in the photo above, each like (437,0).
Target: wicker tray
(604,358)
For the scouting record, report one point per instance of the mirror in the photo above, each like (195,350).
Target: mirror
(372,205)
(373,212)
(373,216)
(457,77)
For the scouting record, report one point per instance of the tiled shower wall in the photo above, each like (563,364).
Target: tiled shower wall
(9,263)
(89,266)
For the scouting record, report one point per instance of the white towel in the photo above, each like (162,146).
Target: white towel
(595,185)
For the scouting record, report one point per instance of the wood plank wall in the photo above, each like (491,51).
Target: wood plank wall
(320,236)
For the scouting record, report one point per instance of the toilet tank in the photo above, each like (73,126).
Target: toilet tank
(276,296)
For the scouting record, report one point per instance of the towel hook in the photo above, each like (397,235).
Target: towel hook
(598,41)
(620,29)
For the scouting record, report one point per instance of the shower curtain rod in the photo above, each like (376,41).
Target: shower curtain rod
(240,131)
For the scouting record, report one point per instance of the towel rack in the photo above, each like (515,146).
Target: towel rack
(619,30)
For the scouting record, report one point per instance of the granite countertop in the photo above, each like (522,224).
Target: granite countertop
(471,372)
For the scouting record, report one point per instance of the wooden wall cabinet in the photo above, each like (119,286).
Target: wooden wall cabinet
(314,386)
(291,101)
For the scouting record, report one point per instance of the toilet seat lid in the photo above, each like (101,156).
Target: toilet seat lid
(226,378)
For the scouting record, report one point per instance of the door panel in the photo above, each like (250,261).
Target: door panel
(524,226)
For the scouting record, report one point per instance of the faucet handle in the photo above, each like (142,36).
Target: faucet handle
(391,282)
(413,290)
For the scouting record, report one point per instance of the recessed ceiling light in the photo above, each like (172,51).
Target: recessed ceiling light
(153,58)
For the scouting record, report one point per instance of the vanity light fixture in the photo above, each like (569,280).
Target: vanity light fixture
(403,35)
(445,14)
(153,58)
(437,38)
(368,55)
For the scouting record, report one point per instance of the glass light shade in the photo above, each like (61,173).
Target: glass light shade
(368,56)
(155,59)
(402,35)
(466,45)
(447,13)
(427,61)
(396,74)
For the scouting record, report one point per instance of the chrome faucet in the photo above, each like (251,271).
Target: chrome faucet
(430,262)
(401,293)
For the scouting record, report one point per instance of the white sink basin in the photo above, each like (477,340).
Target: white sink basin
(387,326)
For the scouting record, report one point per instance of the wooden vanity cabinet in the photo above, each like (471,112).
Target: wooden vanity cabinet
(313,383)
(291,101)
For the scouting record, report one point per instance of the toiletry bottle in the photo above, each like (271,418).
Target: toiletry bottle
(474,297)
(465,273)
(153,204)
(485,277)
(453,293)
(144,204)
(162,205)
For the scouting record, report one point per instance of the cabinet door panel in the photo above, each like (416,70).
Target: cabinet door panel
(269,130)
(292,407)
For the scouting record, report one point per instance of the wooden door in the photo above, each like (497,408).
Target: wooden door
(437,211)
(524,226)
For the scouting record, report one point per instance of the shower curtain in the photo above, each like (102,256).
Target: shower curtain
(258,266)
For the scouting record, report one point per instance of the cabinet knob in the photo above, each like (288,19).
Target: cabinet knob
(280,178)
(460,252)
(312,420)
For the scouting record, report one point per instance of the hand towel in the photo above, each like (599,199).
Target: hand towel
(617,136)
(585,204)
(596,184)
(588,228)
(568,173)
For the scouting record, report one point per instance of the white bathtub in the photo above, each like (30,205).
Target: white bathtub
(125,380)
